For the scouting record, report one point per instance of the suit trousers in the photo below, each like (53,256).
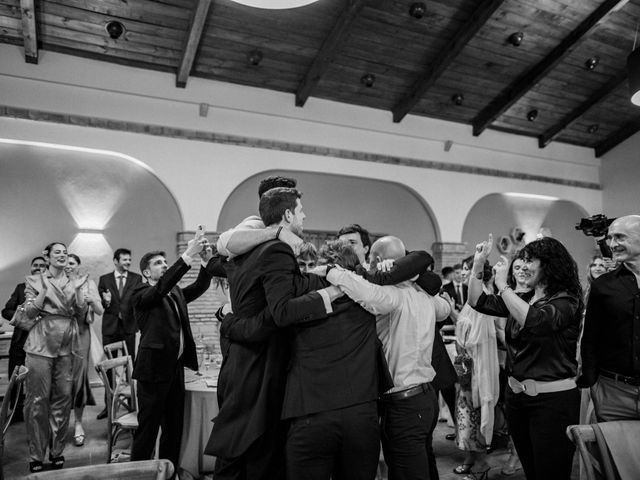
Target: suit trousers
(537,426)
(407,433)
(341,444)
(263,460)
(48,403)
(160,405)
(615,400)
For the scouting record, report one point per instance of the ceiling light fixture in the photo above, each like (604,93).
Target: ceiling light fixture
(516,38)
(457,99)
(592,63)
(115,29)
(593,128)
(417,10)
(368,79)
(254,57)
(532,115)
(275,4)
(633,71)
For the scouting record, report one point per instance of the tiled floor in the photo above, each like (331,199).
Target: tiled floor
(15,461)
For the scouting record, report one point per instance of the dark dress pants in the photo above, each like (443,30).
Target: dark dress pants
(537,426)
(160,404)
(263,460)
(407,430)
(341,444)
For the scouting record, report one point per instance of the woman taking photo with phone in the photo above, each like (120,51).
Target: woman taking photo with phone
(542,332)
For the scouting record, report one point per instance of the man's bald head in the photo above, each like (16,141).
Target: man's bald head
(628,222)
(624,239)
(387,248)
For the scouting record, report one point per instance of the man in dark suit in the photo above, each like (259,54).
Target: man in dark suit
(248,437)
(457,289)
(16,349)
(166,347)
(115,289)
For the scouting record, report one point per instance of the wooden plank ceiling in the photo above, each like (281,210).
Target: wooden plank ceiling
(455,62)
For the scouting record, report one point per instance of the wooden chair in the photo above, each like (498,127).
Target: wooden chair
(144,470)
(115,350)
(9,403)
(122,408)
(594,453)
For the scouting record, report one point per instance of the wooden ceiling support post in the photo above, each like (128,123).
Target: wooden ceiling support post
(29,35)
(192,42)
(448,54)
(529,79)
(328,51)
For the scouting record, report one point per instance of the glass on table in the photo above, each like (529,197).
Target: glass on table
(200,353)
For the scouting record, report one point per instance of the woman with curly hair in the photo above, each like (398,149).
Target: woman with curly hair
(543,326)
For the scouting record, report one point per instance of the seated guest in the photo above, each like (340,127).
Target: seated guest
(166,347)
(19,336)
(82,395)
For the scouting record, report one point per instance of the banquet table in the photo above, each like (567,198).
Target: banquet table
(200,407)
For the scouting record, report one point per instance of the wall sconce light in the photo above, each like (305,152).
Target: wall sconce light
(633,70)
(417,10)
(457,99)
(115,29)
(254,57)
(532,115)
(516,38)
(368,79)
(593,128)
(592,63)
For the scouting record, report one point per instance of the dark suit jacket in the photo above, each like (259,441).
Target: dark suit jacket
(111,323)
(450,289)
(19,337)
(160,329)
(252,378)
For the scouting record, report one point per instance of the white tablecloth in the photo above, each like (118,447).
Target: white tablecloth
(200,407)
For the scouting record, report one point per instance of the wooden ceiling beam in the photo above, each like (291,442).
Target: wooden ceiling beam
(193,40)
(528,80)
(601,94)
(616,138)
(328,51)
(430,75)
(29,35)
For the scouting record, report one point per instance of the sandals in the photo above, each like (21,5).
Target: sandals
(463,469)
(57,462)
(79,440)
(511,466)
(35,466)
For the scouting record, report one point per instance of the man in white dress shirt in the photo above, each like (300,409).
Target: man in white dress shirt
(406,325)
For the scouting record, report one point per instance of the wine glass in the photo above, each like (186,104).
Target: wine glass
(200,357)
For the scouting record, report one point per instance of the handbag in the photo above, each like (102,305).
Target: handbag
(463,364)
(22,321)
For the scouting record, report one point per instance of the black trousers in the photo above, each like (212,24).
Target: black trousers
(17,357)
(160,404)
(341,444)
(407,433)
(263,460)
(537,426)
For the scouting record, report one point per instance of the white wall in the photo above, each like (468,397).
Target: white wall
(621,179)
(201,175)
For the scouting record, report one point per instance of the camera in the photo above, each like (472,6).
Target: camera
(597,226)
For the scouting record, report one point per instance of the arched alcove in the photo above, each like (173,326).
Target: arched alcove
(93,201)
(332,201)
(499,213)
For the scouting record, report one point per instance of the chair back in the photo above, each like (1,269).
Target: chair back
(144,470)
(116,349)
(121,368)
(9,403)
(594,453)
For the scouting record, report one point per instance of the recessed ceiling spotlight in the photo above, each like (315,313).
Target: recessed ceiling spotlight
(593,128)
(115,29)
(592,62)
(457,99)
(368,79)
(532,115)
(254,57)
(417,10)
(516,38)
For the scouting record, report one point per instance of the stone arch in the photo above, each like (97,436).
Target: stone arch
(332,200)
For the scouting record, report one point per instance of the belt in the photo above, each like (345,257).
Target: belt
(534,387)
(409,392)
(633,381)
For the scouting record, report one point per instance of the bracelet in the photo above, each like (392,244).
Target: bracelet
(505,288)
(278,232)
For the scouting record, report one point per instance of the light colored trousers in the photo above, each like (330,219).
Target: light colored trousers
(613,400)
(47,406)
